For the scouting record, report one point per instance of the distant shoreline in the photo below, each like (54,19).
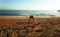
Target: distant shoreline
(28,16)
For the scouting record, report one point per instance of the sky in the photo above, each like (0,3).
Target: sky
(52,5)
(30,4)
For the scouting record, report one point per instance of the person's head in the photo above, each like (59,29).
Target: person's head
(31,17)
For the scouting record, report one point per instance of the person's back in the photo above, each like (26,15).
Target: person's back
(30,22)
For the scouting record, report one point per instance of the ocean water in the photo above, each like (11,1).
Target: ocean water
(26,13)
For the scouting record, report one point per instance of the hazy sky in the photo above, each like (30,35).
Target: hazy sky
(30,4)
